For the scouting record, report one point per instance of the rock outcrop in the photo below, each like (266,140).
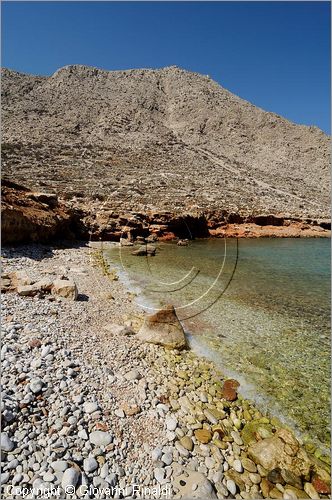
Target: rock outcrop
(28,216)
(163,328)
(34,217)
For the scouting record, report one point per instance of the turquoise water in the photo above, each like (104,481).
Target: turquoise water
(260,311)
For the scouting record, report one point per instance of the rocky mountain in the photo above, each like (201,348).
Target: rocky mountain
(163,139)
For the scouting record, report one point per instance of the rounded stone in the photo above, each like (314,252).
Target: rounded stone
(275,477)
(255,478)
(289,494)
(231,486)
(291,479)
(6,443)
(119,413)
(187,443)
(17,478)
(48,477)
(167,458)
(249,465)
(321,486)
(209,462)
(59,465)
(237,465)
(203,435)
(90,407)
(4,477)
(159,474)
(100,438)
(36,386)
(70,478)
(133,375)
(90,464)
(310,491)
(171,423)
(156,454)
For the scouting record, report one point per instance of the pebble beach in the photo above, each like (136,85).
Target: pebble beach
(90,411)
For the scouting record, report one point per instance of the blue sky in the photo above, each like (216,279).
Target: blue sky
(274,54)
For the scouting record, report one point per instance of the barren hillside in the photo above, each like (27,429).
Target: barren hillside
(163,139)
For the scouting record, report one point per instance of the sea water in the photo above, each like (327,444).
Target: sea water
(260,308)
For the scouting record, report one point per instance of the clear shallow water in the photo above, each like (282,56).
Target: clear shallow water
(262,313)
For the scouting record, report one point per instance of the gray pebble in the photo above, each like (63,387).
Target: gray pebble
(70,478)
(100,438)
(231,486)
(6,443)
(90,407)
(4,477)
(90,464)
(59,465)
(159,474)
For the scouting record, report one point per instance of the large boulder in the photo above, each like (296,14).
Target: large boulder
(163,328)
(20,278)
(27,290)
(283,451)
(6,283)
(44,284)
(65,289)
(192,484)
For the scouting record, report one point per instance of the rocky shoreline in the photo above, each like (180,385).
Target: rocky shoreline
(39,217)
(87,406)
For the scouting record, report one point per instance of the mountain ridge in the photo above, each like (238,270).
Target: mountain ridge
(141,123)
(172,67)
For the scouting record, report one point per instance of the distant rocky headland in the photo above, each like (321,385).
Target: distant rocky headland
(160,146)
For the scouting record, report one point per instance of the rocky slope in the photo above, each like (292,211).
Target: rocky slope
(163,139)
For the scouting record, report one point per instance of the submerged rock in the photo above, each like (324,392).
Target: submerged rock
(292,479)
(229,390)
(163,328)
(275,476)
(320,486)
(310,491)
(145,250)
(255,430)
